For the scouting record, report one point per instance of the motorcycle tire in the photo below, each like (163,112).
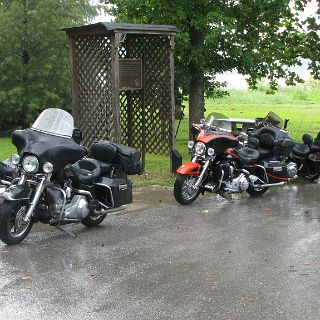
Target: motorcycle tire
(256,192)
(11,215)
(182,186)
(312,178)
(91,221)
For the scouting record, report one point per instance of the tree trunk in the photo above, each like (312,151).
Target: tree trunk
(196,84)
(25,85)
(25,75)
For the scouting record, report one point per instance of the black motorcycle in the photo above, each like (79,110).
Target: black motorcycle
(57,184)
(7,174)
(307,157)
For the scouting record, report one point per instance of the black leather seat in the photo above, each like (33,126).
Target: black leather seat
(106,168)
(264,153)
(315,147)
(301,150)
(87,171)
(6,170)
(248,155)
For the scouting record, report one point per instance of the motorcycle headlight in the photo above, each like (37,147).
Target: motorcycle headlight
(47,167)
(190,144)
(210,151)
(30,164)
(200,148)
(15,159)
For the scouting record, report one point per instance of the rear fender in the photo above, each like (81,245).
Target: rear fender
(16,192)
(191,168)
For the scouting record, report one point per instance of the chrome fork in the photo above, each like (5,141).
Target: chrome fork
(36,197)
(204,170)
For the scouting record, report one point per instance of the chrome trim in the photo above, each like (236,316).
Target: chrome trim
(269,185)
(83,192)
(5,183)
(265,171)
(220,181)
(109,188)
(121,208)
(22,179)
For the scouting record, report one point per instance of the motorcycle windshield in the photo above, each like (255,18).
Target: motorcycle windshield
(55,122)
(218,120)
(273,119)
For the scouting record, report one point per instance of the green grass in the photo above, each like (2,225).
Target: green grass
(6,148)
(300,105)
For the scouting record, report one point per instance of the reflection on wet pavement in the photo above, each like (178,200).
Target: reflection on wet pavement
(256,258)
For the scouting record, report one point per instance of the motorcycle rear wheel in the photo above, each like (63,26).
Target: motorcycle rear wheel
(12,227)
(183,189)
(92,221)
(311,176)
(255,192)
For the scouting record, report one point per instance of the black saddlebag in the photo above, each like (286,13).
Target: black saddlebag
(125,158)
(121,190)
(104,151)
(278,171)
(129,159)
(315,158)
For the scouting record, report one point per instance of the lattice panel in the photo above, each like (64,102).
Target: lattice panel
(94,87)
(146,115)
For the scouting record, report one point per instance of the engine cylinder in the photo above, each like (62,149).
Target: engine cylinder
(292,170)
(78,208)
(238,184)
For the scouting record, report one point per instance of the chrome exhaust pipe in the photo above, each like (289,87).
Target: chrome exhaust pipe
(269,185)
(111,210)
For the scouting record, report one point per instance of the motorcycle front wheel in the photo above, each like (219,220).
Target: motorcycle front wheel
(13,228)
(184,191)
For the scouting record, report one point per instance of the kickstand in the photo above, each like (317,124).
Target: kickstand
(67,232)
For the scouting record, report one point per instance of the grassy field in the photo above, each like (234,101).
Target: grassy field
(300,105)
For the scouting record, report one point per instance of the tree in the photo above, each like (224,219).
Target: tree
(311,44)
(259,38)
(34,61)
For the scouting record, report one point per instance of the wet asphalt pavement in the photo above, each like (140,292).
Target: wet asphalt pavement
(256,258)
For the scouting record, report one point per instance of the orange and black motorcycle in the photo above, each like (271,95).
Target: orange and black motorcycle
(220,164)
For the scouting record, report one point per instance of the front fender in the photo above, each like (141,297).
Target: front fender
(16,192)
(189,168)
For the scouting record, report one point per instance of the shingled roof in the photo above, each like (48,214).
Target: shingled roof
(124,28)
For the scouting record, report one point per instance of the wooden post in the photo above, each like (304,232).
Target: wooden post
(171,48)
(143,111)
(115,86)
(130,122)
(74,80)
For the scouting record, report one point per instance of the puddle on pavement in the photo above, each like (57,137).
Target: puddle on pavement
(150,197)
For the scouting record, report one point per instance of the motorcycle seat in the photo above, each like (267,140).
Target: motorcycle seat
(315,147)
(86,171)
(283,147)
(6,170)
(264,153)
(248,155)
(106,168)
(301,150)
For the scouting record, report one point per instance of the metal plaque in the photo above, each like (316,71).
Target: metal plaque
(130,74)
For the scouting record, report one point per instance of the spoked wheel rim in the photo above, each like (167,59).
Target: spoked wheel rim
(188,190)
(311,175)
(18,226)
